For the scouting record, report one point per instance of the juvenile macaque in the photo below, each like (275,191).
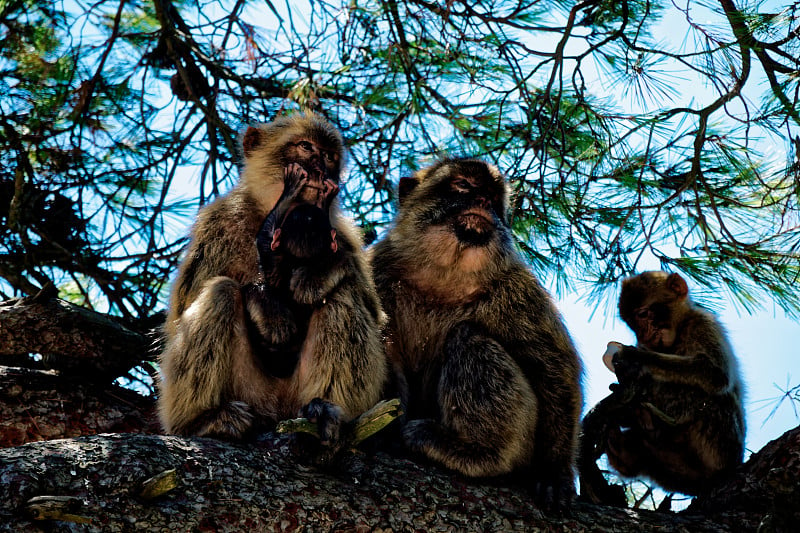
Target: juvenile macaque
(676,415)
(273,311)
(487,372)
(296,236)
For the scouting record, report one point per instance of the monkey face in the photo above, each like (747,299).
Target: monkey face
(466,196)
(319,161)
(652,304)
(653,326)
(471,211)
(306,140)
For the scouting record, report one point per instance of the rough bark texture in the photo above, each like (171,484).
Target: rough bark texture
(768,484)
(74,339)
(94,483)
(42,405)
(233,487)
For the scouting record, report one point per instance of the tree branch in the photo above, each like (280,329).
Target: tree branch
(233,487)
(74,339)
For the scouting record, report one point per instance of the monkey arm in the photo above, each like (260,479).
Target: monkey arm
(266,239)
(212,252)
(531,330)
(696,370)
(550,362)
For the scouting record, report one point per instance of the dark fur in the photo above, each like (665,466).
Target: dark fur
(676,416)
(487,372)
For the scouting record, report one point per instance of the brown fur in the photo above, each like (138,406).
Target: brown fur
(211,382)
(487,372)
(679,392)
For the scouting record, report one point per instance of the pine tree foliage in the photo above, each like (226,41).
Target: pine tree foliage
(635,133)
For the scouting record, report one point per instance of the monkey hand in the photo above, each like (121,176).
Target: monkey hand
(329,419)
(618,358)
(329,191)
(294,178)
(630,371)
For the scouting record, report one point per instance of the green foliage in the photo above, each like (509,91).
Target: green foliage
(627,145)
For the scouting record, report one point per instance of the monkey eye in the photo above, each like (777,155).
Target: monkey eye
(330,157)
(462,185)
(642,313)
(305,145)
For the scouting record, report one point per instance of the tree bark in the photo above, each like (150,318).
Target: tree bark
(73,339)
(95,484)
(42,405)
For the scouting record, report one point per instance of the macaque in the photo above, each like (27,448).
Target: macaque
(274,312)
(487,373)
(676,415)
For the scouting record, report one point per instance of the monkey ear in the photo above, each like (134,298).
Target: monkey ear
(677,285)
(407,184)
(251,140)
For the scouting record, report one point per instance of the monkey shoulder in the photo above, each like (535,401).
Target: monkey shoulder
(233,216)
(524,317)
(701,333)
(517,296)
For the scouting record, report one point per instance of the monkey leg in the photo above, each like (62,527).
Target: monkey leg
(197,365)
(595,429)
(342,359)
(694,457)
(628,452)
(487,410)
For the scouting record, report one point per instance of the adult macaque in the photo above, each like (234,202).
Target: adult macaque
(273,311)
(487,372)
(676,416)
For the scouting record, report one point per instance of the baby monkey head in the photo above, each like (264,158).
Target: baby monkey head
(467,196)
(300,223)
(306,233)
(653,304)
